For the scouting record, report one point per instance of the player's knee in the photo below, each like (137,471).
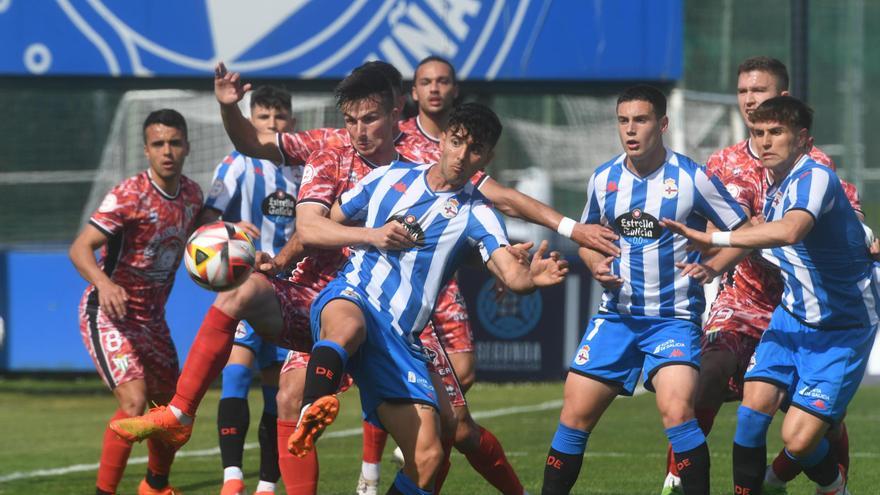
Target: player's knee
(676,414)
(466,380)
(289,401)
(799,442)
(133,406)
(239,302)
(467,436)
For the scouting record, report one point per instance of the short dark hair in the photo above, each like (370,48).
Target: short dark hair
(477,121)
(271,97)
(769,65)
(643,92)
(166,117)
(395,78)
(786,110)
(437,58)
(365,83)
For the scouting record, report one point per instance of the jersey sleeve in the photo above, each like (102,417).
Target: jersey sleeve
(321,177)
(852,194)
(355,201)
(297,147)
(744,191)
(713,202)
(715,164)
(479,178)
(118,206)
(225,184)
(486,230)
(592,211)
(811,191)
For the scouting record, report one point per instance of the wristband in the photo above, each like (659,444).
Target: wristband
(566,227)
(721,239)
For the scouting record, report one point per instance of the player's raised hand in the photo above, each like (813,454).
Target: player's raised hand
(595,237)
(265,263)
(602,273)
(547,271)
(520,251)
(112,299)
(699,240)
(392,236)
(703,274)
(249,228)
(228,87)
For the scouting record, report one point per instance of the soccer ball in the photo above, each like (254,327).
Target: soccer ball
(219,256)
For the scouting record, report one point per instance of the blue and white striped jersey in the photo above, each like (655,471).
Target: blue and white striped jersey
(403,285)
(830,280)
(260,192)
(633,206)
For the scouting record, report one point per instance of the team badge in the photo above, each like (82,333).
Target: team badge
(450,208)
(120,362)
(583,355)
(308,174)
(733,189)
(670,188)
(350,293)
(240,331)
(216,188)
(109,204)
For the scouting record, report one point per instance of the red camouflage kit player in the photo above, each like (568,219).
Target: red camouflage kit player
(141,226)
(751,291)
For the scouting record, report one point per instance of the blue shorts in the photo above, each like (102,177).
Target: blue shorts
(821,368)
(616,348)
(388,367)
(267,354)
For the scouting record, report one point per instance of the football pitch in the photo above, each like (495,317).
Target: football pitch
(52,430)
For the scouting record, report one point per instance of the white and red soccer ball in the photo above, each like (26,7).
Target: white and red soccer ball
(219,256)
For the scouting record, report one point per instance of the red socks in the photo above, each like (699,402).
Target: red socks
(300,475)
(114,457)
(489,460)
(208,355)
(374,443)
(705,418)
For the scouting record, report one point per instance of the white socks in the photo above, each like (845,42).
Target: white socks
(232,473)
(370,471)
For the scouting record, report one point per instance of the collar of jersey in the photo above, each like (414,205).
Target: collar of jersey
(652,174)
(374,165)
(440,193)
(159,189)
(425,133)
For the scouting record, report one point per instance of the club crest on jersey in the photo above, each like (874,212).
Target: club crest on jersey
(450,208)
(308,174)
(109,204)
(350,293)
(733,189)
(670,188)
(583,355)
(217,189)
(638,227)
(120,362)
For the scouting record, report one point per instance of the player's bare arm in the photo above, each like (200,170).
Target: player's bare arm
(600,267)
(516,204)
(210,215)
(229,90)
(111,296)
(318,230)
(541,272)
(791,229)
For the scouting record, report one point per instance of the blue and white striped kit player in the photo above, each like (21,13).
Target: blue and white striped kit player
(397,290)
(264,194)
(653,320)
(821,334)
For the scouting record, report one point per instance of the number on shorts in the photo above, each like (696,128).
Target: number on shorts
(112,341)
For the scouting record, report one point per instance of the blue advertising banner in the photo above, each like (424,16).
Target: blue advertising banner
(485,39)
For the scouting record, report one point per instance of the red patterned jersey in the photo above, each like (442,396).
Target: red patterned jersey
(328,174)
(754,288)
(147,231)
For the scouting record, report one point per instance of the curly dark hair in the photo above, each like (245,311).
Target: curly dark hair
(166,117)
(477,121)
(786,110)
(365,83)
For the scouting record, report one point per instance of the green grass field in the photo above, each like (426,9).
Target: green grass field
(56,426)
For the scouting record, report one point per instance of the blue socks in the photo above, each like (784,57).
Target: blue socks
(236,381)
(686,436)
(569,441)
(751,427)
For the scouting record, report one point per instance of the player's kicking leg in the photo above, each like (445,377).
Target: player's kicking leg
(255,300)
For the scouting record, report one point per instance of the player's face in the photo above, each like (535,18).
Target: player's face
(370,126)
(640,131)
(166,149)
(271,119)
(434,89)
(752,89)
(778,145)
(461,157)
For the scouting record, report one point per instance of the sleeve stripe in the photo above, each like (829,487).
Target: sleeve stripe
(315,201)
(100,227)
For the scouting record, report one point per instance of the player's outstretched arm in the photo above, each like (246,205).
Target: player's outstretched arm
(541,272)
(516,204)
(316,230)
(791,229)
(111,297)
(229,90)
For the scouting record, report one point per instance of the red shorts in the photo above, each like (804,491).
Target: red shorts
(297,360)
(439,364)
(451,321)
(128,349)
(295,301)
(741,345)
